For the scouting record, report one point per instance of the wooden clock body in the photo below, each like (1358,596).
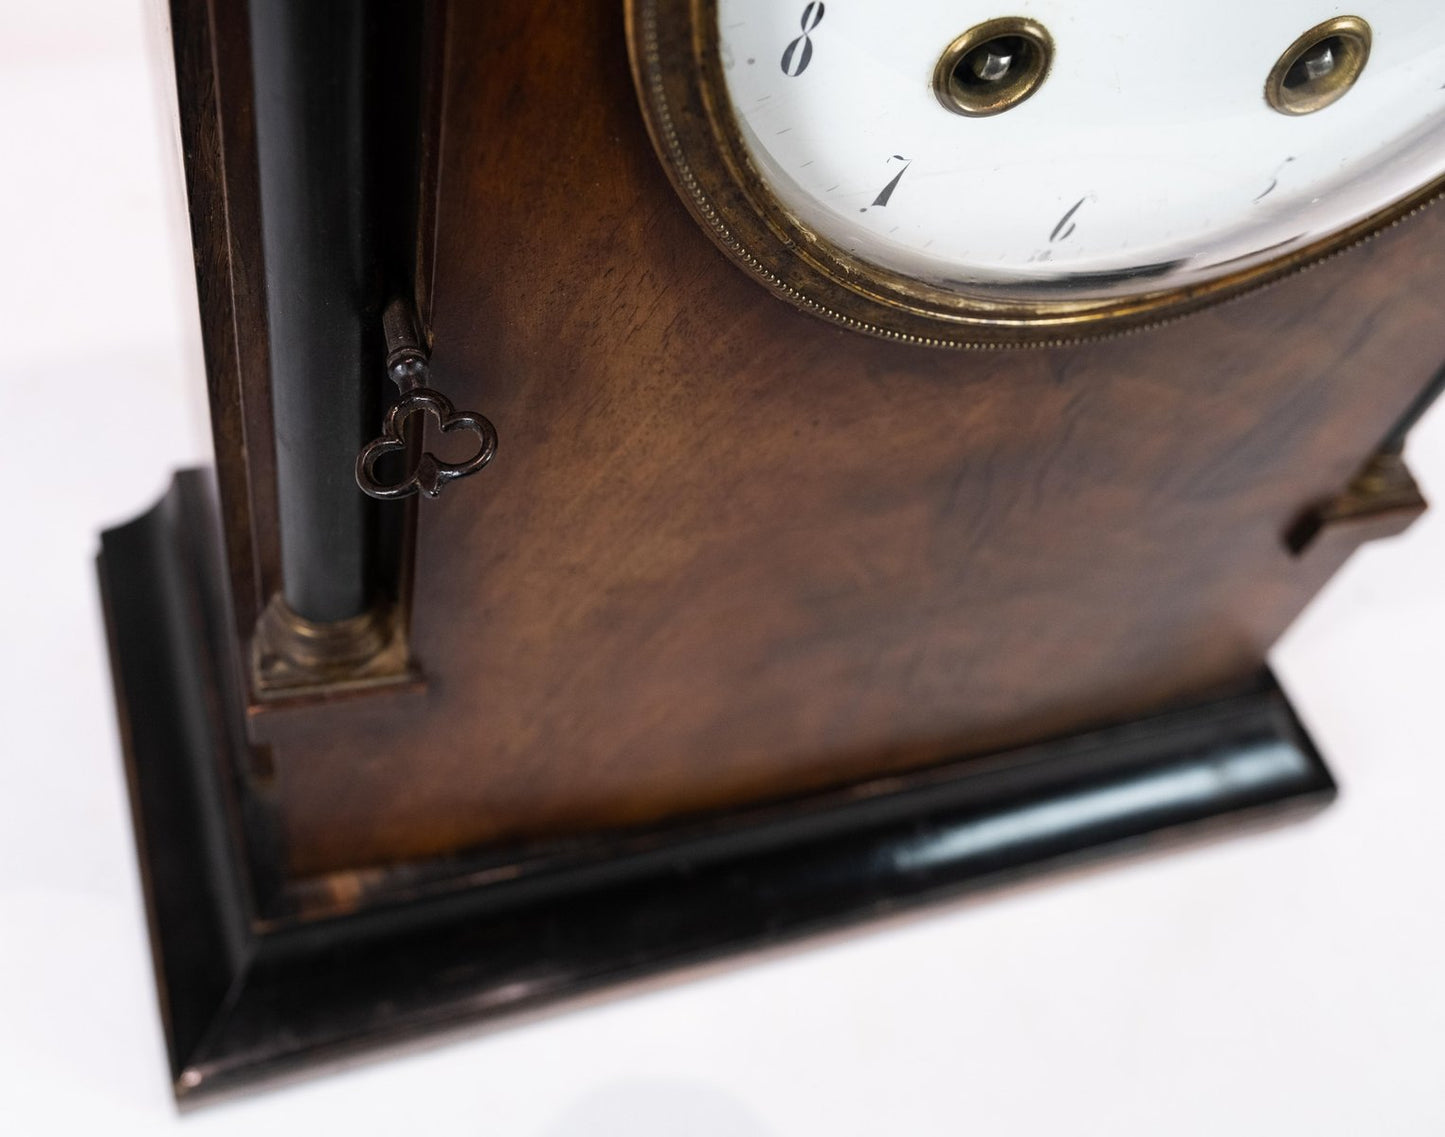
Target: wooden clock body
(748,610)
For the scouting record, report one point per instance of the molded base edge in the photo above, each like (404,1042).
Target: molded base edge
(243,1000)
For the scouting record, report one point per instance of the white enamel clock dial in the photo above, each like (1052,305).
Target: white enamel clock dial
(1147,158)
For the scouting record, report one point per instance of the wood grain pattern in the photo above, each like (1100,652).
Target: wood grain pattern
(246,998)
(729,553)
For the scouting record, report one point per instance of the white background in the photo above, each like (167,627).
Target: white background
(1290,983)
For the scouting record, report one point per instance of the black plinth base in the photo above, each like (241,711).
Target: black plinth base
(245,998)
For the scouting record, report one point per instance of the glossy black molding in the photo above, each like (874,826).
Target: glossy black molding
(246,996)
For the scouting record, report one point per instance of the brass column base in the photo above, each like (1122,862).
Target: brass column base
(291,655)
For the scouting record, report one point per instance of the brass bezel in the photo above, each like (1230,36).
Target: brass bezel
(984,102)
(678,72)
(1350,30)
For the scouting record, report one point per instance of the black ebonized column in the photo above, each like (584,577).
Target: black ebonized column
(336,127)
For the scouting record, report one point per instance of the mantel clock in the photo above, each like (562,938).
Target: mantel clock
(697,472)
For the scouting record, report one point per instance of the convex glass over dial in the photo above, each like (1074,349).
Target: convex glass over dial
(984,171)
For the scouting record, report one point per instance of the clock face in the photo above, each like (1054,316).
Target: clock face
(1043,166)
(1147,155)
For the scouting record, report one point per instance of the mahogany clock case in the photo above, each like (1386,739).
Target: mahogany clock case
(755,625)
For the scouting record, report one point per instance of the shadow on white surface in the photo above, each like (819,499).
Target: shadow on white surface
(644,1108)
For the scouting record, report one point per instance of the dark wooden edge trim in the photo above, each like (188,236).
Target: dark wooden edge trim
(216,130)
(241,1003)
(181,731)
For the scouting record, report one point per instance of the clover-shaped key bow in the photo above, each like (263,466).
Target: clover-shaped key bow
(406,364)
